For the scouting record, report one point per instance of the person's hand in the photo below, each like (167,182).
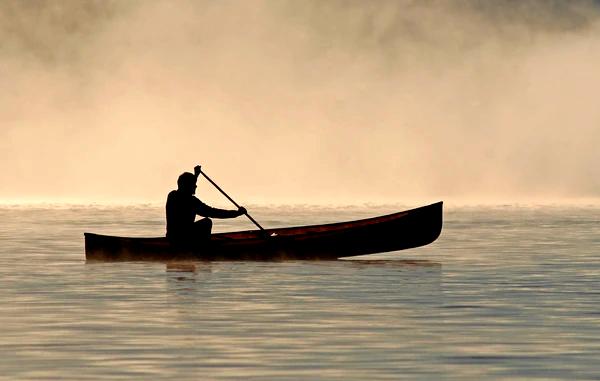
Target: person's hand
(197,170)
(242,210)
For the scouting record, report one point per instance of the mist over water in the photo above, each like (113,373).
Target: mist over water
(310,101)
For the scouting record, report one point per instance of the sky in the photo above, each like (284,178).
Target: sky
(320,102)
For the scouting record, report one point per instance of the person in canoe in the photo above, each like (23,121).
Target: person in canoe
(182,208)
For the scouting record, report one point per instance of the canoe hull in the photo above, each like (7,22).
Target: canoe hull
(398,231)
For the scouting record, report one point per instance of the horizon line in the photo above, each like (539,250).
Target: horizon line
(451,202)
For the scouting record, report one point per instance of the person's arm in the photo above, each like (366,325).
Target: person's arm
(208,211)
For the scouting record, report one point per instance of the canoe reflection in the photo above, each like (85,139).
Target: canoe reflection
(193,267)
(393,262)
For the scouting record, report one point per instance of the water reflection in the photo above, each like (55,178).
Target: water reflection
(401,263)
(179,267)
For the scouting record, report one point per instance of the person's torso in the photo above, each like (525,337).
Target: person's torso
(181,212)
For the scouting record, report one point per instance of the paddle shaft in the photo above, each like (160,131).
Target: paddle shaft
(232,201)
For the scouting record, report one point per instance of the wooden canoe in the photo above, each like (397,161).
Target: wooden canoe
(398,231)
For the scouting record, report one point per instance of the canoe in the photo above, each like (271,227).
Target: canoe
(392,232)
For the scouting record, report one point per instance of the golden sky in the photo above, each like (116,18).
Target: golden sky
(300,101)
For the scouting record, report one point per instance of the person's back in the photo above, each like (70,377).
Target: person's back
(180,215)
(181,210)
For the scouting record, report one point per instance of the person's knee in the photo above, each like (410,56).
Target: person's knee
(203,228)
(205,225)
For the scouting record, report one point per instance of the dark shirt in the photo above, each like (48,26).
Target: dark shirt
(182,210)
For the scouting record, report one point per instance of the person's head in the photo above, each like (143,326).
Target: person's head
(186,183)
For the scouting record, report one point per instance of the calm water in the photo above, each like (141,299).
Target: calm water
(505,293)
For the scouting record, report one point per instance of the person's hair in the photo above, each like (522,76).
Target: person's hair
(186,179)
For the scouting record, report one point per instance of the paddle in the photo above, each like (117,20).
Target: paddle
(197,170)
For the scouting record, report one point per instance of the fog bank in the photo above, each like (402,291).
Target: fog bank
(300,101)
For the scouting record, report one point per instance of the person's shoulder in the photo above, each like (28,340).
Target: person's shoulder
(172,195)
